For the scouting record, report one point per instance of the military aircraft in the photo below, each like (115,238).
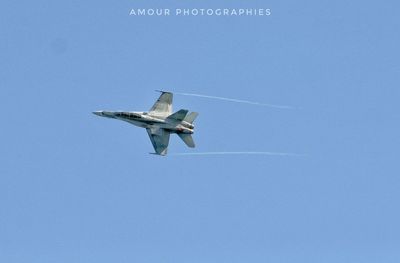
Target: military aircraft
(159,122)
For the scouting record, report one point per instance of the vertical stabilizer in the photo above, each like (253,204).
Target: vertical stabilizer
(191,117)
(179,115)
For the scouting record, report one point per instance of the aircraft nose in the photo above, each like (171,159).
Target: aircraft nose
(98,113)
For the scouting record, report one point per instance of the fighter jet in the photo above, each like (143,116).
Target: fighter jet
(159,122)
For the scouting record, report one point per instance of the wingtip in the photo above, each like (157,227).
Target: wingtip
(162,91)
(159,154)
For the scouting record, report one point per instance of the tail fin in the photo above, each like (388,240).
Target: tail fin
(191,117)
(188,139)
(179,115)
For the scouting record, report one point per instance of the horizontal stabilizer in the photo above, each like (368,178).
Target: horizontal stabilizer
(188,139)
(191,117)
(179,115)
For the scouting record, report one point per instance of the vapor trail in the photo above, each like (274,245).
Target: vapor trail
(239,153)
(237,100)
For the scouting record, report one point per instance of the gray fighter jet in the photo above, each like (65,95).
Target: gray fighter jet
(159,122)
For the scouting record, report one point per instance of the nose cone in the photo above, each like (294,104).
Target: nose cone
(98,113)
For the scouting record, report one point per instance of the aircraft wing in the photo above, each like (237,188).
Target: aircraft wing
(160,139)
(163,106)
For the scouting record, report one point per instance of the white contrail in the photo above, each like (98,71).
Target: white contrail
(239,153)
(237,100)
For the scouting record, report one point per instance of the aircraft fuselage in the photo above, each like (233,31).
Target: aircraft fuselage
(145,120)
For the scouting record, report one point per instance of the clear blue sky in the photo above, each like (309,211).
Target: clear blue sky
(78,188)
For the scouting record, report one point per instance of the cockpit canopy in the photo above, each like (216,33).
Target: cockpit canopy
(128,115)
